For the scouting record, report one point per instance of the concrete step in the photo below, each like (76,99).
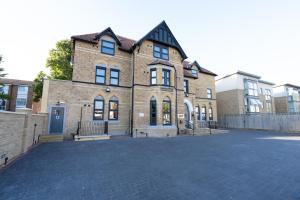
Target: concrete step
(91,137)
(51,138)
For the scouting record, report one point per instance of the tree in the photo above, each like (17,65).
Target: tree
(3,96)
(59,60)
(38,85)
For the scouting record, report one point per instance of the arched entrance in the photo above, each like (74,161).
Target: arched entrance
(188,109)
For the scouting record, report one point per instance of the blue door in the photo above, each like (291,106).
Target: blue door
(57,120)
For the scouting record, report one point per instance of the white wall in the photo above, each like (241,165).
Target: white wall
(233,82)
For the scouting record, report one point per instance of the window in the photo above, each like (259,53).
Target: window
(186,86)
(113,109)
(252,105)
(209,93)
(269,106)
(153,111)
(210,114)
(114,76)
(100,75)
(22,96)
(194,72)
(160,51)
(153,77)
(98,108)
(107,47)
(166,77)
(203,113)
(268,94)
(251,87)
(3,90)
(166,106)
(197,110)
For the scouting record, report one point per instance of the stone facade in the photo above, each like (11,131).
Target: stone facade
(134,90)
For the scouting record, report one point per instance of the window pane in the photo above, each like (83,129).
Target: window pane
(108,44)
(98,114)
(98,104)
(114,81)
(113,105)
(113,114)
(165,51)
(114,74)
(165,56)
(153,73)
(156,54)
(21,102)
(100,79)
(108,50)
(153,81)
(156,48)
(101,72)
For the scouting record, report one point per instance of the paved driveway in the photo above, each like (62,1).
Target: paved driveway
(238,165)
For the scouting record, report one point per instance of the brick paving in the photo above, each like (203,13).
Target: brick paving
(238,165)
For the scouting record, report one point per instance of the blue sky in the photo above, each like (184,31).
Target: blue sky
(260,37)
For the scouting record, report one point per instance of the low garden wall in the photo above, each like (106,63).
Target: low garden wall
(19,131)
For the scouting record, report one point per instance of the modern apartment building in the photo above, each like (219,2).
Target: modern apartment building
(244,93)
(287,98)
(143,86)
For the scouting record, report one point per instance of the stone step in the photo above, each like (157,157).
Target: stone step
(91,137)
(51,138)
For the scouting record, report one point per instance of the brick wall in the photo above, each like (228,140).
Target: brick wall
(18,133)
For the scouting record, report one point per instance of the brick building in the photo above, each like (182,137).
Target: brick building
(20,92)
(141,86)
(287,98)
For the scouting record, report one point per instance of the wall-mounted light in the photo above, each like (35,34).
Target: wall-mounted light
(107,89)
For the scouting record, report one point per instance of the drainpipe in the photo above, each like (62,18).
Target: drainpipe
(132,93)
(176,111)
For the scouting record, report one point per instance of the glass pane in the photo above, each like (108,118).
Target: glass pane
(156,48)
(153,80)
(114,74)
(113,115)
(98,114)
(165,56)
(156,55)
(113,105)
(100,79)
(153,73)
(100,72)
(114,81)
(165,51)
(21,102)
(166,119)
(108,44)
(98,104)
(108,50)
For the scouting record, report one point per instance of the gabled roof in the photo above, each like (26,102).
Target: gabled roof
(162,34)
(188,66)
(125,43)
(109,32)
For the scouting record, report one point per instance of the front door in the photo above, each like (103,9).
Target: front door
(186,116)
(57,120)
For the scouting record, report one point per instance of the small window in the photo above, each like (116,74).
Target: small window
(100,75)
(186,86)
(203,113)
(114,76)
(107,47)
(153,114)
(210,114)
(21,100)
(98,108)
(166,77)
(113,109)
(166,111)
(209,93)
(194,72)
(161,52)
(153,77)
(268,94)
(269,106)
(3,90)
(252,87)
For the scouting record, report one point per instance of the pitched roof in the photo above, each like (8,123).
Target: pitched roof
(188,66)
(125,43)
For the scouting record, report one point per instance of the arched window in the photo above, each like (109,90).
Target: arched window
(203,113)
(197,111)
(153,114)
(210,114)
(166,106)
(113,112)
(98,108)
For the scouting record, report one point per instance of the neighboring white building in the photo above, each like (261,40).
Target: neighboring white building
(287,98)
(242,92)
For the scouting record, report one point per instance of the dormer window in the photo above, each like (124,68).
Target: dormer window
(161,52)
(194,72)
(107,47)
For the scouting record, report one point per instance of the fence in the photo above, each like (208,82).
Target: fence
(277,122)
(90,128)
